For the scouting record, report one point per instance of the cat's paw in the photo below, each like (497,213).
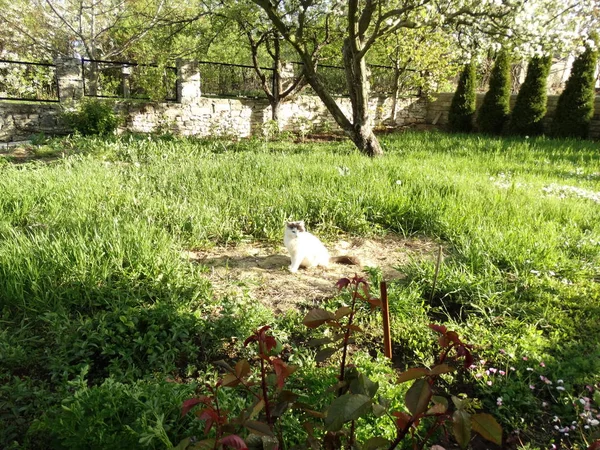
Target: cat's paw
(292,269)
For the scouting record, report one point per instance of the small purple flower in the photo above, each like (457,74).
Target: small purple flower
(489,383)
(502,372)
(542,364)
(493,370)
(525,358)
(531,386)
(502,351)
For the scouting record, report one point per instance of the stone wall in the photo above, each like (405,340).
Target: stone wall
(19,121)
(241,117)
(437,111)
(246,117)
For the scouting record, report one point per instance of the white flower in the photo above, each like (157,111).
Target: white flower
(594,422)
(398,182)
(560,388)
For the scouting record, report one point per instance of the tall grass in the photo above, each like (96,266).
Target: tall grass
(93,282)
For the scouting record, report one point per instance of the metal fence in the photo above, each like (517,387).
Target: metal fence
(22,80)
(231,80)
(382,79)
(122,79)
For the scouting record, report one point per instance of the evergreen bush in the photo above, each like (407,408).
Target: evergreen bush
(530,107)
(495,108)
(575,106)
(462,108)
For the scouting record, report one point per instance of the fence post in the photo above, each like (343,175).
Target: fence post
(69,78)
(188,81)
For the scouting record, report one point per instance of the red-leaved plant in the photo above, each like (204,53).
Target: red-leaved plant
(260,417)
(356,393)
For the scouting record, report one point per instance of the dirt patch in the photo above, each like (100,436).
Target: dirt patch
(261,271)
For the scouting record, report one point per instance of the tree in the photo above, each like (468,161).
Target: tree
(365,22)
(88,28)
(260,34)
(421,60)
(530,107)
(496,102)
(575,106)
(462,108)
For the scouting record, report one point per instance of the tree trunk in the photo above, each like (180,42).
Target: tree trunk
(366,141)
(357,79)
(275,108)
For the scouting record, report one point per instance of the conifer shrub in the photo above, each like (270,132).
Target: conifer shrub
(495,108)
(575,106)
(530,107)
(462,108)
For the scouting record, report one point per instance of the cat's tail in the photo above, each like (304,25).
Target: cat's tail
(346,259)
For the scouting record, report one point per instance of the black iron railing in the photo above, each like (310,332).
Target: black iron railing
(123,79)
(24,80)
(231,80)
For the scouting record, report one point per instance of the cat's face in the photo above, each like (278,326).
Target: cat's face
(295,227)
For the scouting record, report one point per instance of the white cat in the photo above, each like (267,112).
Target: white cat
(306,249)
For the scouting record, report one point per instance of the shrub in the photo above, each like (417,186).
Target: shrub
(496,103)
(462,108)
(93,117)
(575,106)
(113,415)
(530,107)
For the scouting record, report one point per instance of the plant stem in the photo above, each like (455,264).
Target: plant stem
(351,438)
(347,337)
(401,434)
(264,390)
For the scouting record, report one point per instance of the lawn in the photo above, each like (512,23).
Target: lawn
(106,329)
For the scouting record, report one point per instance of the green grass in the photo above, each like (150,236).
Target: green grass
(95,295)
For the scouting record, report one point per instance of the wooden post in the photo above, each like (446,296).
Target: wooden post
(385,310)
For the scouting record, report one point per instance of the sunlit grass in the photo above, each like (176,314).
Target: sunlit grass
(91,239)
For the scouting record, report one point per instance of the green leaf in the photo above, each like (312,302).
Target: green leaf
(363,385)
(461,426)
(230,380)
(441,368)
(487,427)
(257,408)
(375,442)
(183,444)
(242,368)
(319,342)
(322,355)
(316,317)
(597,398)
(260,428)
(411,374)
(206,444)
(342,312)
(378,410)
(346,408)
(440,405)
(417,397)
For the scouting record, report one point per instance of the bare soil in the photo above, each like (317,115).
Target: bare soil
(261,271)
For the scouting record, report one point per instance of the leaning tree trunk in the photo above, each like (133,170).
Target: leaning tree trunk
(357,80)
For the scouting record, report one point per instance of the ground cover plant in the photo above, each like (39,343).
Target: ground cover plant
(107,330)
